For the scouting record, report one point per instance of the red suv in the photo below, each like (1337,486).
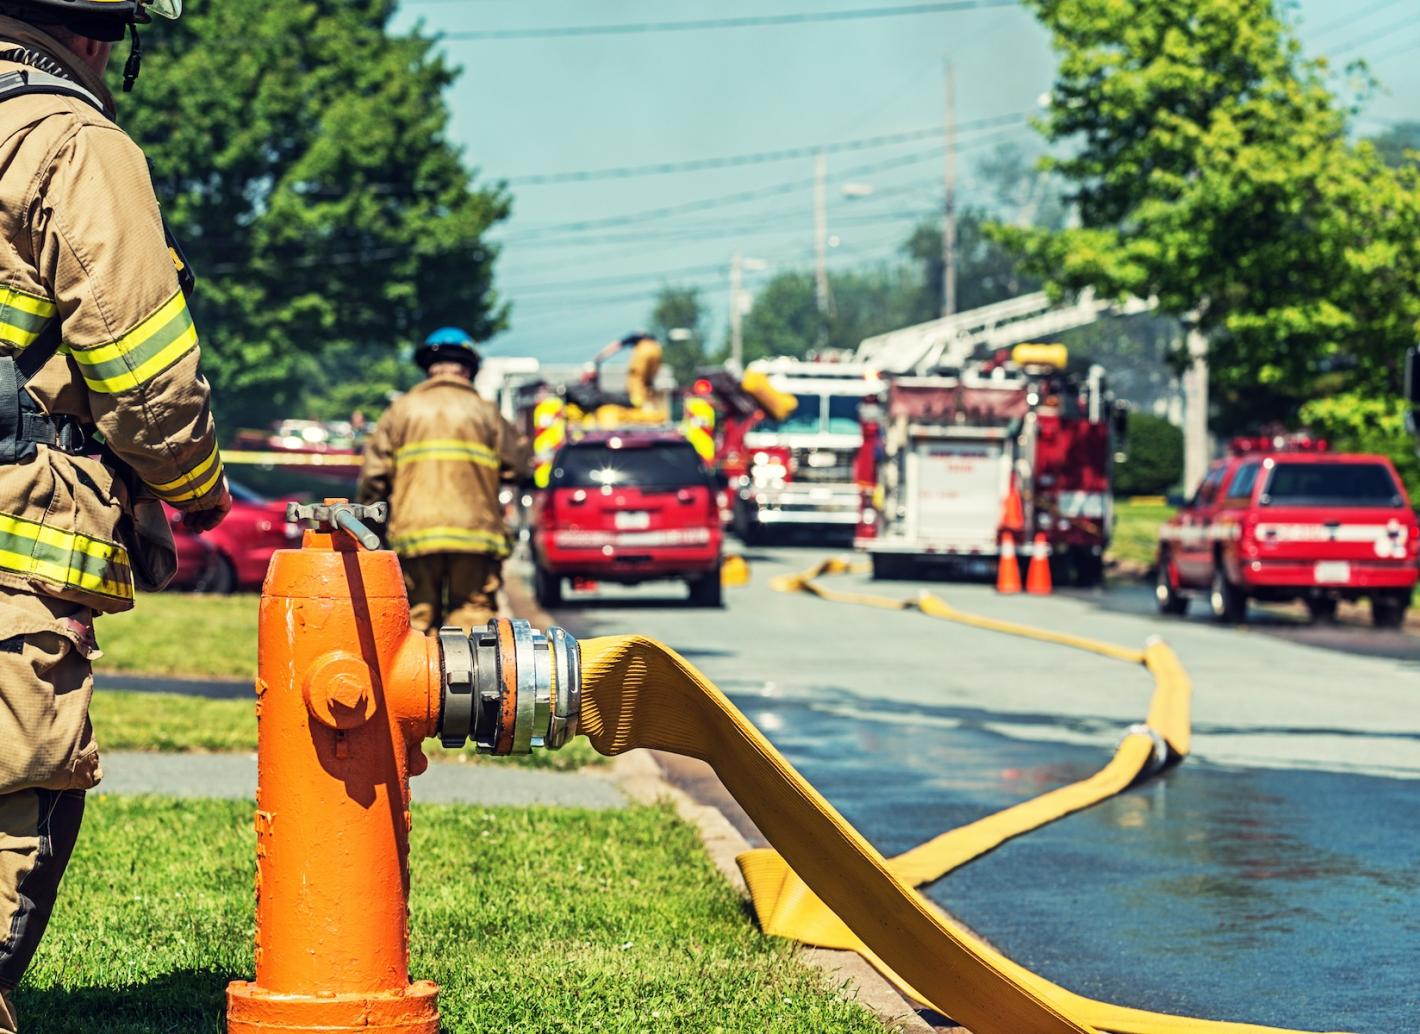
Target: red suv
(1286,524)
(628,506)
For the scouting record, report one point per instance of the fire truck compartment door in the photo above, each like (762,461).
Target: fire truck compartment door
(959,485)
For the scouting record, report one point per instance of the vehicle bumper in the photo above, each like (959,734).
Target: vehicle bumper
(944,550)
(1301,576)
(628,563)
(837,506)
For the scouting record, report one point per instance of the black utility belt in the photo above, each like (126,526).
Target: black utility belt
(63,433)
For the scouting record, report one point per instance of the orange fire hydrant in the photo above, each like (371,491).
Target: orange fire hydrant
(346,691)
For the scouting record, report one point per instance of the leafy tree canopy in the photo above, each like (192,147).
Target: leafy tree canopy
(301,152)
(678,321)
(1211,169)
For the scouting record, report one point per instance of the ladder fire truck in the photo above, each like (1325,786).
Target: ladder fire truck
(970,412)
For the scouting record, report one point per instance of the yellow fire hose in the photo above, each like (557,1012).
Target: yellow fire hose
(825,884)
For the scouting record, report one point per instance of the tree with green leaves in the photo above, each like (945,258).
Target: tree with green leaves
(987,271)
(302,155)
(678,320)
(785,318)
(1210,166)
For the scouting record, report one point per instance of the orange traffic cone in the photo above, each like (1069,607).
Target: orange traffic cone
(1038,577)
(1008,572)
(1014,518)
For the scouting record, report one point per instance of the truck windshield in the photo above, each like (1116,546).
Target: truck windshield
(1331,484)
(843,414)
(661,465)
(807,418)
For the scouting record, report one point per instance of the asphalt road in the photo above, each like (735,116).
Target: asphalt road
(1272,878)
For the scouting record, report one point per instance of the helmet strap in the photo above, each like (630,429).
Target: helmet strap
(135,59)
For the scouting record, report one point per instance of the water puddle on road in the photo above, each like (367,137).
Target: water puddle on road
(1267,895)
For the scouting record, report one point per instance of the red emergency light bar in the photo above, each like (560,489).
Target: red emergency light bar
(1278,443)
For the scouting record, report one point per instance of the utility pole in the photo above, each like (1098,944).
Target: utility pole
(1196,451)
(949,221)
(821,291)
(737,344)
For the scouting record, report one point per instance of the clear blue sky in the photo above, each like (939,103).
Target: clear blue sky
(532,107)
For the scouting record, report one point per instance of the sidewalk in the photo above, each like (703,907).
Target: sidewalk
(233,776)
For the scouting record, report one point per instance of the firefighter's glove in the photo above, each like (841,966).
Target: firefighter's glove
(206,519)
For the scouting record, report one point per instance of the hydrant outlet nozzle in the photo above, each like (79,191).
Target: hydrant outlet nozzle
(509,687)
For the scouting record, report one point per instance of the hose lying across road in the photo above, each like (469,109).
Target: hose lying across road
(824,884)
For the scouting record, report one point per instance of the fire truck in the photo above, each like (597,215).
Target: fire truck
(796,468)
(941,453)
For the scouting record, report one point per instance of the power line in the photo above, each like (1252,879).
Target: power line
(755,157)
(1381,33)
(1355,16)
(742,22)
(703,204)
(551,231)
(1386,55)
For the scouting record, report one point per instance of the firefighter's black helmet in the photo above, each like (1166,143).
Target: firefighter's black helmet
(448,344)
(98,19)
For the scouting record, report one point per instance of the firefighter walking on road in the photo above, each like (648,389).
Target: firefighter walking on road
(439,456)
(85,263)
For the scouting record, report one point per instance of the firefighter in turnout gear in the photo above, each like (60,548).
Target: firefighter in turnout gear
(102,413)
(439,456)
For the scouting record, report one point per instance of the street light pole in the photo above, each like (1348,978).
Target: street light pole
(949,221)
(821,288)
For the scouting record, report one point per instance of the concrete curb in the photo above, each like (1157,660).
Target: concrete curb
(641,778)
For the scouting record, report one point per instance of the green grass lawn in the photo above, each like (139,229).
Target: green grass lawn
(177,633)
(532,920)
(1136,531)
(174,724)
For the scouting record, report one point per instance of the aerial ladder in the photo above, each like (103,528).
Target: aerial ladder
(947,344)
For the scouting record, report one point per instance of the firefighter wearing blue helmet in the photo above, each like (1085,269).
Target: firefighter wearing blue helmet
(439,455)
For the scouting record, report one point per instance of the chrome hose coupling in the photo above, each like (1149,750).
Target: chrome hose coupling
(509,687)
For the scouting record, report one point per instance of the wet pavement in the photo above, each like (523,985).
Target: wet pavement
(1274,877)
(1261,895)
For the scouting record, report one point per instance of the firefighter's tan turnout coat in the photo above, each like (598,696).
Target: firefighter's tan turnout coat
(82,242)
(438,455)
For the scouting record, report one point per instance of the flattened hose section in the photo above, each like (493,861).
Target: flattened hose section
(825,885)
(638,693)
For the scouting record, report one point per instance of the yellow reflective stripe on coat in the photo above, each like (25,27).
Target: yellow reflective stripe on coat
(141,354)
(63,558)
(196,483)
(456,449)
(450,540)
(23,316)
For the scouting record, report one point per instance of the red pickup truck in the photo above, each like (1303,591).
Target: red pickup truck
(1283,521)
(628,506)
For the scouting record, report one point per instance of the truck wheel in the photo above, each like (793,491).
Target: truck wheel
(1228,601)
(749,532)
(547,588)
(1322,609)
(1166,594)
(1389,611)
(707,590)
(1089,568)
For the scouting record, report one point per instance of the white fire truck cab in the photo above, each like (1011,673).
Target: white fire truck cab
(800,469)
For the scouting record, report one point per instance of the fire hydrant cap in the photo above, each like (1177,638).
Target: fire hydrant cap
(339,691)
